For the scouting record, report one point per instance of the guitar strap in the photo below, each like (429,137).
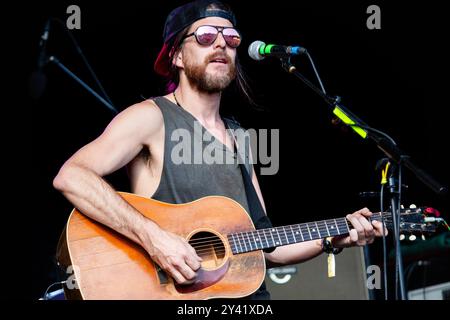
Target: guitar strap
(257,213)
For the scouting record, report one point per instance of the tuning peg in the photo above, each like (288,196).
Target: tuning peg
(402,237)
(412,206)
(402,206)
(423,237)
(412,237)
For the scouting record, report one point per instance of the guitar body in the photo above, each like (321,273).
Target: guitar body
(106,265)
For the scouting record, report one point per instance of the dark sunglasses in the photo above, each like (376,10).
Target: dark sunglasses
(206,35)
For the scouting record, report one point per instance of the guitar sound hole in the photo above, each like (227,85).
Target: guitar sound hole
(209,247)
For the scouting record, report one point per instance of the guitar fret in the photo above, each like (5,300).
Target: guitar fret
(331,229)
(328,230)
(300,231)
(265,237)
(323,229)
(318,230)
(305,226)
(234,244)
(343,224)
(279,236)
(254,239)
(336,229)
(293,234)
(243,240)
(240,244)
(271,234)
(287,239)
(311,232)
(249,242)
(259,240)
(280,242)
(335,223)
(346,225)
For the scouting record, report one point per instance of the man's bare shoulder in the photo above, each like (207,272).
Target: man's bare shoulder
(145,110)
(145,113)
(141,121)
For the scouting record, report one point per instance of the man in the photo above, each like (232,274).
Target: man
(199,57)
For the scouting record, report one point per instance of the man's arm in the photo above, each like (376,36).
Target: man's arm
(80,180)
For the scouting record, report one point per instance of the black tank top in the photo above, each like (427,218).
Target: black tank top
(187,176)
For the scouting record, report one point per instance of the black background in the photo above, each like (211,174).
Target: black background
(395,79)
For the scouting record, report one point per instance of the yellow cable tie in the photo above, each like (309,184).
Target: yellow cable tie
(384,174)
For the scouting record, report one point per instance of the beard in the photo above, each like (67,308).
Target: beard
(206,82)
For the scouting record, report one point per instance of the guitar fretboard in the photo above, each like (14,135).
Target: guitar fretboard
(280,236)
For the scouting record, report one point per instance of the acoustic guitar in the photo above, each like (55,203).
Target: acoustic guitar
(103,264)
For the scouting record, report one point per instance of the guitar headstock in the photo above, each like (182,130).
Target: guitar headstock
(412,221)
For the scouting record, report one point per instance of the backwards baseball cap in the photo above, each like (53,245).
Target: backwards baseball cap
(182,17)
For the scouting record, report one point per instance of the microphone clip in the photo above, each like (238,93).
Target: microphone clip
(287,65)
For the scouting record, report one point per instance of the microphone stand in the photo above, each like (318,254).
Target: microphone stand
(390,149)
(82,83)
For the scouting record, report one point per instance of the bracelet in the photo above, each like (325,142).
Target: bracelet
(327,247)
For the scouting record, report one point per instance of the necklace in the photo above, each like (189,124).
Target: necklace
(176,100)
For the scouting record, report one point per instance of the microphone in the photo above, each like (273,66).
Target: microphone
(43,45)
(38,80)
(258,50)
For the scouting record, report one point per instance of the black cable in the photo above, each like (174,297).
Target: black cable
(399,252)
(53,284)
(315,71)
(384,245)
(424,289)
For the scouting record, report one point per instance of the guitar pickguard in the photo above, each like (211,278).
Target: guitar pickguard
(205,278)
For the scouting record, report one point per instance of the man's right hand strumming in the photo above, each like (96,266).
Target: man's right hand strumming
(172,253)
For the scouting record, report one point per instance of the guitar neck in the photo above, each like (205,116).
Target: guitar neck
(280,236)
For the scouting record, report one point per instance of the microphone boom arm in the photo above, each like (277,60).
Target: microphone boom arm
(388,146)
(82,83)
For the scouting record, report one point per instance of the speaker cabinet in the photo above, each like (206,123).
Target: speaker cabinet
(309,280)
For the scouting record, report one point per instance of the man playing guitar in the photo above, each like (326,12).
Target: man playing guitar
(199,57)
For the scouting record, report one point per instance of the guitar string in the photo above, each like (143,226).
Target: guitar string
(246,236)
(209,247)
(290,239)
(207,251)
(341,224)
(222,250)
(320,224)
(219,245)
(241,235)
